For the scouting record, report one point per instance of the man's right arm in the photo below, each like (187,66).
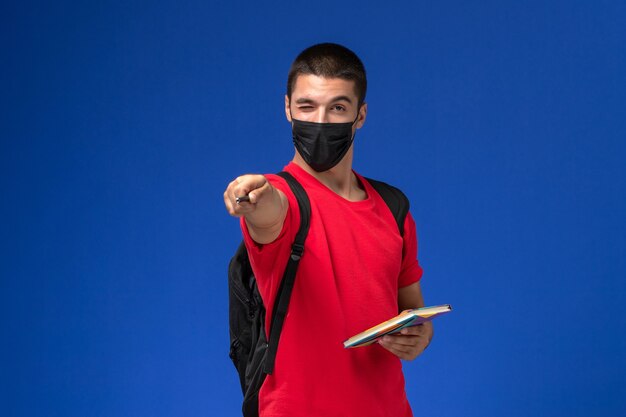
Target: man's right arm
(265,212)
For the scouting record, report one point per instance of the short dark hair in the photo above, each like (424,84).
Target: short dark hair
(329,60)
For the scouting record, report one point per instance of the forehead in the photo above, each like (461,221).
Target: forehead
(322,89)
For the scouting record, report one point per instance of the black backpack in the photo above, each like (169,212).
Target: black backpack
(250,350)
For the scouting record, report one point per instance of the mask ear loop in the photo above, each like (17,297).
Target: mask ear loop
(290,115)
(358,112)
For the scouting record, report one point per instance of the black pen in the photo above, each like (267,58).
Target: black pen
(242,198)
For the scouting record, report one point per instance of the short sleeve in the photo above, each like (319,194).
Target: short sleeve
(287,232)
(411,271)
(268,261)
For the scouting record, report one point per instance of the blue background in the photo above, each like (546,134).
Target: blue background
(122,123)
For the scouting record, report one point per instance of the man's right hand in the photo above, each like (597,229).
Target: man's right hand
(265,211)
(253,186)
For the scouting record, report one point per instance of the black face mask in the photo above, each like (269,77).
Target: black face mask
(322,145)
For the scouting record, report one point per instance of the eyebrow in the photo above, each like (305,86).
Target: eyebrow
(304,100)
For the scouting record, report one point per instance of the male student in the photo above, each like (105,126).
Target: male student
(356,271)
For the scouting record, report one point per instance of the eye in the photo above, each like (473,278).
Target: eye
(338,107)
(305,108)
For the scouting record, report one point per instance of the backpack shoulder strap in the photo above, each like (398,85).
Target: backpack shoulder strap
(281,302)
(397,202)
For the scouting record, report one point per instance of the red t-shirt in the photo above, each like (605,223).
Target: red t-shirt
(354,261)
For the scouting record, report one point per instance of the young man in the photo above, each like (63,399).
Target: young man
(356,271)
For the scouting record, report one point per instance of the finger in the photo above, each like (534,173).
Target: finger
(247,183)
(230,202)
(230,189)
(237,188)
(400,348)
(248,189)
(232,208)
(413,330)
(402,340)
(256,194)
(227,200)
(402,353)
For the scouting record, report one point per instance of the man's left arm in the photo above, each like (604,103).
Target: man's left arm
(410,342)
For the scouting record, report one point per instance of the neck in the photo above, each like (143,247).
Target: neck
(339,178)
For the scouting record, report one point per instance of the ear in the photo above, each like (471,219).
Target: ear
(362,116)
(287,112)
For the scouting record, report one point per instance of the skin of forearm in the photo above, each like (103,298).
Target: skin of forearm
(266,221)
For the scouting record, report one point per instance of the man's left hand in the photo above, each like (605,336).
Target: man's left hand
(410,342)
